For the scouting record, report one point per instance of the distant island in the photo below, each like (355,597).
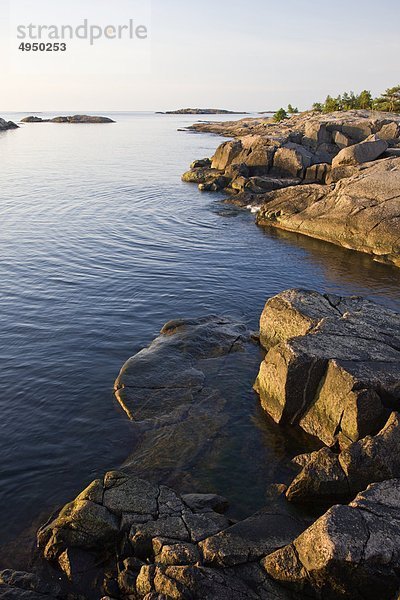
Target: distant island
(73,119)
(201,111)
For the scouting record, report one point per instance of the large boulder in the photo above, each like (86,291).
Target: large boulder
(225,154)
(390,131)
(316,133)
(361,212)
(350,552)
(291,160)
(328,476)
(368,150)
(257,154)
(332,364)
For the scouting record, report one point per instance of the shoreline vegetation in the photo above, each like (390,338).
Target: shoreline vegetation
(327,365)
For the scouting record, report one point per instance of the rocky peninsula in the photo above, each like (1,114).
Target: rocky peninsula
(74,119)
(331,176)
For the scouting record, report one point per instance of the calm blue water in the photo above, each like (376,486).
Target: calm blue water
(101,243)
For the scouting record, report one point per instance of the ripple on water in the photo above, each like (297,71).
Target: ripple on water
(100,245)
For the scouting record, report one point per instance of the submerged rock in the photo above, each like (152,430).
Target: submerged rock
(350,552)
(332,366)
(184,391)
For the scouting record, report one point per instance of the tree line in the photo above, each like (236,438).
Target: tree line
(388,101)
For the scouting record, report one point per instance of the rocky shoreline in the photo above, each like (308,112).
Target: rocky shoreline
(328,366)
(331,366)
(333,176)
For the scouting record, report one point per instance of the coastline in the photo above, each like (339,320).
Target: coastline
(334,177)
(220,574)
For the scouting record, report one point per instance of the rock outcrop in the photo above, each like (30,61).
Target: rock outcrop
(361,212)
(327,476)
(131,538)
(73,119)
(332,366)
(345,164)
(5,125)
(350,552)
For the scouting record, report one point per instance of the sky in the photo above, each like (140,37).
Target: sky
(245,56)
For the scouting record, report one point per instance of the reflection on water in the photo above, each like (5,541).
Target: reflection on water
(100,245)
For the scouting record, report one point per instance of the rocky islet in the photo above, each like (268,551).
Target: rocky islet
(75,119)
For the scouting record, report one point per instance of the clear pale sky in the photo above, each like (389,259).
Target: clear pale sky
(252,55)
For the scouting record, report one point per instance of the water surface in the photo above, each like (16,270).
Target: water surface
(101,243)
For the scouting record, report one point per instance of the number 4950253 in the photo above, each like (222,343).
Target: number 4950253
(42,47)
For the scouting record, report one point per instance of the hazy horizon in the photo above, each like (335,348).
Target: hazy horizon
(250,57)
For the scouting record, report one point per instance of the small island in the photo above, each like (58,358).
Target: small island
(201,111)
(73,119)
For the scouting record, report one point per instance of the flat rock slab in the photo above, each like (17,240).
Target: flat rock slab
(332,366)
(249,540)
(351,552)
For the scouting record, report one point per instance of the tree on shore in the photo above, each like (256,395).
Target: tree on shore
(365,100)
(390,100)
(280,115)
(291,110)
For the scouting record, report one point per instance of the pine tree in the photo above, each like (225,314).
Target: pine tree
(291,110)
(280,115)
(390,100)
(365,100)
